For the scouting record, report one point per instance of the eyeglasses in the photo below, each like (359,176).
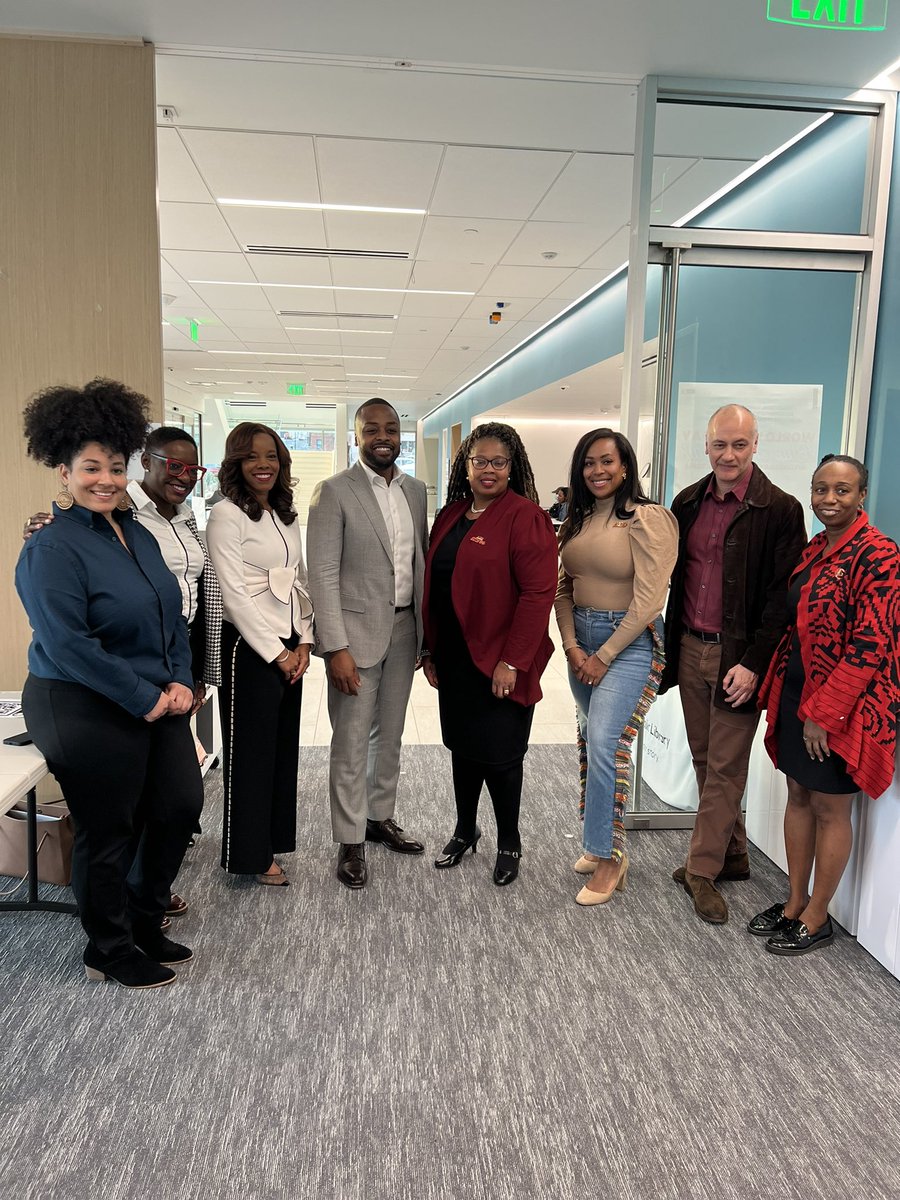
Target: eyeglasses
(479,463)
(176,467)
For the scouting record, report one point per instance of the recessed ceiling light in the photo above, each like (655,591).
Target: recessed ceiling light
(325,287)
(369,208)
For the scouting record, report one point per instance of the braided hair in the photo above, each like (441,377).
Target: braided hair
(861,469)
(521,478)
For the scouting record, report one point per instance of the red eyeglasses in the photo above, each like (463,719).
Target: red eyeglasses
(176,467)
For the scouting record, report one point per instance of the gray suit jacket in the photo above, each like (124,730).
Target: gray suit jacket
(351,565)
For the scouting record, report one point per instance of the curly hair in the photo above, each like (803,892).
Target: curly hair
(581,500)
(861,468)
(521,479)
(233,486)
(59,421)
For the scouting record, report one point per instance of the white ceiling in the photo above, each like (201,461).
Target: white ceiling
(527,157)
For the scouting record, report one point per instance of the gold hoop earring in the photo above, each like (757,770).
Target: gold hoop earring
(64,499)
(124,502)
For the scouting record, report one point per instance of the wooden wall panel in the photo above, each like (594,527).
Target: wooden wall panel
(79,255)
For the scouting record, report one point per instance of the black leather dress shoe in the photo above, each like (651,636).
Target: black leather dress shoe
(507,867)
(795,938)
(770,921)
(456,848)
(390,834)
(351,868)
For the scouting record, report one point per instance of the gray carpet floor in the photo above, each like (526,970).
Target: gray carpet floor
(436,1038)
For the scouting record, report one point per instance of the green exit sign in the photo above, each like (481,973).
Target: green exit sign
(296,389)
(868,15)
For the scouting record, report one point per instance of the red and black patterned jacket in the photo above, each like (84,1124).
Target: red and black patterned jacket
(848,624)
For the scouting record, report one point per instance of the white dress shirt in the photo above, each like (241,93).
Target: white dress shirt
(262,576)
(181,551)
(398,519)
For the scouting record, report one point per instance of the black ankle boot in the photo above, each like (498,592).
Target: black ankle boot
(132,970)
(507,867)
(161,949)
(456,848)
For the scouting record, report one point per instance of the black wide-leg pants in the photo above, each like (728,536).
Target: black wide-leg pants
(261,735)
(134,790)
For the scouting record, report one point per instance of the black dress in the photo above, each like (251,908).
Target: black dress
(831,775)
(474,723)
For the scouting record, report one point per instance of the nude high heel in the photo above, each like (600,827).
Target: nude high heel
(586,897)
(585,865)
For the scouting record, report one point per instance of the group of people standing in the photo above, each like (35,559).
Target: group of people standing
(119,588)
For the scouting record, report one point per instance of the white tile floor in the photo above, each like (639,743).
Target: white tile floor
(554,716)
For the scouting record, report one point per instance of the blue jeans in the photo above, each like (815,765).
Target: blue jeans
(608,716)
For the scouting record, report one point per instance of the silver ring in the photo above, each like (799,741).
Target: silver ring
(506,691)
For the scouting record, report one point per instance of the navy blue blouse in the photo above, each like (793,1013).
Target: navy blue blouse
(103,617)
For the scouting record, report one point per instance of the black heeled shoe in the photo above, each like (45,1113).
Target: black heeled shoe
(456,848)
(506,868)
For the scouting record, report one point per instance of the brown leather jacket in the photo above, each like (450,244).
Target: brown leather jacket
(762,546)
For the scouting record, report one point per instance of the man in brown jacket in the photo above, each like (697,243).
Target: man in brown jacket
(739,539)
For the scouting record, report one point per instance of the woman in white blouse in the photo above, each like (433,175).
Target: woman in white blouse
(254,543)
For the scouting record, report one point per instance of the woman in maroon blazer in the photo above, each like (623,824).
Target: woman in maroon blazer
(490,580)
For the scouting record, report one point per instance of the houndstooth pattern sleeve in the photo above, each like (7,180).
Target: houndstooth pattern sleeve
(212,605)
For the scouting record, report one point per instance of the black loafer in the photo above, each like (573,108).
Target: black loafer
(773,920)
(507,867)
(390,834)
(795,938)
(351,868)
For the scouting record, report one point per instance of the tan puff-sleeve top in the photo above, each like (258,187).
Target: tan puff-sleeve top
(621,566)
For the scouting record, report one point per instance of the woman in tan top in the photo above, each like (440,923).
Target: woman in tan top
(617,551)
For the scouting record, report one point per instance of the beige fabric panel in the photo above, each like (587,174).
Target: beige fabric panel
(79,258)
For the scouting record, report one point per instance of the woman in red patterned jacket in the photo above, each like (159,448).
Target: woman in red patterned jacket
(833,699)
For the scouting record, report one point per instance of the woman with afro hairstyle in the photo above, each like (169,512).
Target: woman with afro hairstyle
(255,546)
(110,688)
(617,551)
(490,578)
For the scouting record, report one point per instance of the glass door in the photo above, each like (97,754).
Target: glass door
(780,340)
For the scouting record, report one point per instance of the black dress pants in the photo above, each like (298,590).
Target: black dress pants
(134,790)
(261,735)
(504,782)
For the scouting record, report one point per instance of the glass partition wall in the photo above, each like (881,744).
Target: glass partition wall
(765,295)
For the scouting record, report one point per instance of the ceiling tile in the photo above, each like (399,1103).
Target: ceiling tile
(393,174)
(482,306)
(315,300)
(255,166)
(193,227)
(478,182)
(448,276)
(220,297)
(445,239)
(593,187)
(252,334)
(578,283)
(275,226)
(284,269)
(178,179)
(612,254)
(433,306)
(697,183)
(392,232)
(199,264)
(362,273)
(572,243)
(249,318)
(508,282)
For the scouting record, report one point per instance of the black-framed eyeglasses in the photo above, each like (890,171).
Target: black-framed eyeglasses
(174,466)
(479,462)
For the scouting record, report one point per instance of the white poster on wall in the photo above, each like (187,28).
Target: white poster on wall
(789,416)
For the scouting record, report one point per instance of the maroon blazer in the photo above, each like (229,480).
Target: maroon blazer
(504,584)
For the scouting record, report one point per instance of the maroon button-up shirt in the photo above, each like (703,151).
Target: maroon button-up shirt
(703,557)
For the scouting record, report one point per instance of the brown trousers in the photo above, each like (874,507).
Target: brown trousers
(720,743)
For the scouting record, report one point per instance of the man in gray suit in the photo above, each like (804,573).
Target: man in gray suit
(366,542)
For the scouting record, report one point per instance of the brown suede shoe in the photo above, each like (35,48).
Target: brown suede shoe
(735,868)
(708,902)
